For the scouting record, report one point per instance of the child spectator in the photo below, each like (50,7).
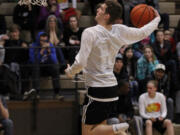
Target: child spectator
(162,49)
(152,108)
(145,65)
(130,66)
(24,16)
(177,40)
(52,8)
(168,37)
(43,57)
(163,80)
(16,57)
(55,36)
(72,38)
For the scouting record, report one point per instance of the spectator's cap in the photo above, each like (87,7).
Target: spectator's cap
(160,67)
(119,56)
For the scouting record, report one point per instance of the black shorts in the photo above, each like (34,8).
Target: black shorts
(158,125)
(95,112)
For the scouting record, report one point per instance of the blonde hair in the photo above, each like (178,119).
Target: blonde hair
(154,82)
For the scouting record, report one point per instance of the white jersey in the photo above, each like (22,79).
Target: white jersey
(99,48)
(152,107)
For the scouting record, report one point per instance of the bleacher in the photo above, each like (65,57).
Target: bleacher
(40,117)
(166,6)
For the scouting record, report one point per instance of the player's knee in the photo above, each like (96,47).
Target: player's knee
(148,123)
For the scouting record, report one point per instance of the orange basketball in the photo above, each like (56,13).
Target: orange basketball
(141,15)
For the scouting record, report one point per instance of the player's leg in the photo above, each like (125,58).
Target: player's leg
(104,129)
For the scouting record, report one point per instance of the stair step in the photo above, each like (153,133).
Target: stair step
(174,20)
(167,7)
(7,8)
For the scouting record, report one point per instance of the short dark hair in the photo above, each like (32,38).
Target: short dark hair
(114,9)
(14,27)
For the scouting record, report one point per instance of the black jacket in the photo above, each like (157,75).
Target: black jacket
(163,84)
(125,105)
(157,50)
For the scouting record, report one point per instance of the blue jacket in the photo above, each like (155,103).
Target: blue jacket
(50,59)
(144,68)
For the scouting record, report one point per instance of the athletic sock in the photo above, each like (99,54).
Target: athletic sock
(117,128)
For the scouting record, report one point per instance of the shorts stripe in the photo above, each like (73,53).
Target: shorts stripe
(85,107)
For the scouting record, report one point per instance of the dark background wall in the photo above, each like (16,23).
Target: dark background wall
(44,117)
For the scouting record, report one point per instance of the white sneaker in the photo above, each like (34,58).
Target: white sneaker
(29,94)
(120,128)
(58,97)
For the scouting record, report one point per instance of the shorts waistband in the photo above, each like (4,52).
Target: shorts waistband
(103,99)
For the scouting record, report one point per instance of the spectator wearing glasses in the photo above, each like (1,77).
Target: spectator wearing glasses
(55,37)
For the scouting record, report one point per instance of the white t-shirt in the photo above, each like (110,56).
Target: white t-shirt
(99,48)
(152,107)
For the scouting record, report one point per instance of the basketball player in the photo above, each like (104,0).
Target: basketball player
(99,46)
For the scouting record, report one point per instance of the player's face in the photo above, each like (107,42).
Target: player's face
(100,12)
(151,89)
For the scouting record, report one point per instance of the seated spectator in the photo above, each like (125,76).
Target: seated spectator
(24,16)
(168,37)
(145,65)
(176,35)
(125,110)
(139,46)
(164,87)
(72,38)
(52,8)
(55,37)
(177,41)
(130,66)
(162,49)
(67,11)
(16,57)
(119,69)
(5,122)
(44,62)
(152,108)
(164,16)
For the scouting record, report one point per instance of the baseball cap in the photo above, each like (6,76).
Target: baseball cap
(160,66)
